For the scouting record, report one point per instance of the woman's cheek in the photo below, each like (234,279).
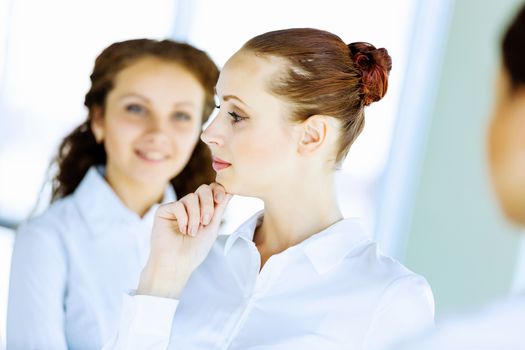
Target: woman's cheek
(126,128)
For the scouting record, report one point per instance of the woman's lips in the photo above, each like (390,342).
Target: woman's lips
(154,157)
(219,164)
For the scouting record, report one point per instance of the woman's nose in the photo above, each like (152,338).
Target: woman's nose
(153,124)
(212,135)
(156,130)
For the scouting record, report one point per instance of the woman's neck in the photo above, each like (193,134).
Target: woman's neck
(139,198)
(292,216)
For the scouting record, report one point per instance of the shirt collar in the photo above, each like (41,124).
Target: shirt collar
(325,249)
(328,248)
(102,208)
(245,231)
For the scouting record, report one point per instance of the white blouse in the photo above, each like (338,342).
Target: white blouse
(498,327)
(71,265)
(332,291)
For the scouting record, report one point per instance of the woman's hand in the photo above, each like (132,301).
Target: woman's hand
(183,234)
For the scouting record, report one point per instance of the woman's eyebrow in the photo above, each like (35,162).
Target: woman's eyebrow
(144,98)
(229,97)
(134,95)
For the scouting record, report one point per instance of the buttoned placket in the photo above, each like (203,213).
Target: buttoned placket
(142,232)
(261,280)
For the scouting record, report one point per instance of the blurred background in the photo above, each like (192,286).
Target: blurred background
(417,176)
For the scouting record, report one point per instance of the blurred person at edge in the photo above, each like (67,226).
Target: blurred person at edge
(138,147)
(296,275)
(500,326)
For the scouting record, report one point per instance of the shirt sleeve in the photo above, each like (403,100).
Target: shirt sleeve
(145,323)
(35,311)
(497,326)
(405,310)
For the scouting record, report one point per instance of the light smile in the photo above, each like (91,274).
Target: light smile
(151,156)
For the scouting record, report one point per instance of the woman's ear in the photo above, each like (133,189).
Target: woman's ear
(97,123)
(313,134)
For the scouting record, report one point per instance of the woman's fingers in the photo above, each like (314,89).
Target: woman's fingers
(213,200)
(205,195)
(219,209)
(192,205)
(174,212)
(204,207)
(219,192)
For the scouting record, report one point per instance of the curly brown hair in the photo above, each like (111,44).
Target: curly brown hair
(79,150)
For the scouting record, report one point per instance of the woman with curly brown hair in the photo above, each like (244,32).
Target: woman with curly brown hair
(138,147)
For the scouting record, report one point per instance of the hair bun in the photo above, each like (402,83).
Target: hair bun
(375,65)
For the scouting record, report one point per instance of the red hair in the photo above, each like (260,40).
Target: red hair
(326,76)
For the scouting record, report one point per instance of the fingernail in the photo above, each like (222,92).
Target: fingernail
(206,219)
(194,230)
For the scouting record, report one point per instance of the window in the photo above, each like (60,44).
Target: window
(49,53)
(46,56)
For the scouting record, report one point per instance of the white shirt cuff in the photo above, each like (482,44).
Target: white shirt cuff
(149,315)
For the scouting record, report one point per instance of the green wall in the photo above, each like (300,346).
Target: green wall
(458,238)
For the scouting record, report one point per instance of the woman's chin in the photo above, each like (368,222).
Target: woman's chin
(226,184)
(232,187)
(239,188)
(154,179)
(512,209)
(225,181)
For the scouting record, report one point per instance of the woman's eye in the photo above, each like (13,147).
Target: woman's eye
(180,116)
(235,117)
(135,108)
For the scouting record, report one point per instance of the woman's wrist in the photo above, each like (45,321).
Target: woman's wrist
(163,283)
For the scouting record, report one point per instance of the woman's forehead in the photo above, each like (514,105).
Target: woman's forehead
(245,70)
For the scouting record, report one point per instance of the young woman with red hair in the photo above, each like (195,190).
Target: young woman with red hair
(297,275)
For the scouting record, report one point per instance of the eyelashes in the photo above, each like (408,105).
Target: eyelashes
(135,108)
(141,111)
(235,118)
(180,116)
